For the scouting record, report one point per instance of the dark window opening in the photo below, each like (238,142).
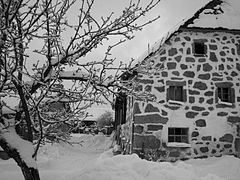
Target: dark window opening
(199,48)
(120,110)
(224,94)
(238,49)
(176,93)
(178,135)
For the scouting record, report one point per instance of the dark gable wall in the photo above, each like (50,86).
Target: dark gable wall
(212,126)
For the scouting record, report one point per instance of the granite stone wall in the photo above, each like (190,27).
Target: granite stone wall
(213,125)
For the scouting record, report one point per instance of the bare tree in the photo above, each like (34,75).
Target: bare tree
(36,87)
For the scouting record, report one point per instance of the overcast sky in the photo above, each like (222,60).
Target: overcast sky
(171,11)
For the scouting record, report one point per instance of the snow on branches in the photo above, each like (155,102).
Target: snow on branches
(40,48)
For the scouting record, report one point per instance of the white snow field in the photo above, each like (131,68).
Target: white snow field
(95,161)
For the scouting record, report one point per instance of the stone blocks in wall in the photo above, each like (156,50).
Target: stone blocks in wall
(174,154)
(150,118)
(176,83)
(171,65)
(207,67)
(204,149)
(164,74)
(221,67)
(154,127)
(187,38)
(226,138)
(201,123)
(172,107)
(191,99)
(209,93)
(160,89)
(201,60)
(207,138)
(233,74)
(189,74)
(224,84)
(217,79)
(201,100)
(238,66)
(172,52)
(142,142)
(164,113)
(210,101)
(183,66)
(213,47)
(162,59)
(227,146)
(178,58)
(145,81)
(176,73)
(204,76)
(237,146)
(195,134)
(136,109)
(234,119)
(200,85)
(222,114)
(151,108)
(191,114)
(213,57)
(190,59)
(222,53)
(138,129)
(200,76)
(177,39)
(205,113)
(198,108)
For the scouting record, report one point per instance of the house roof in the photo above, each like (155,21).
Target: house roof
(216,14)
(224,14)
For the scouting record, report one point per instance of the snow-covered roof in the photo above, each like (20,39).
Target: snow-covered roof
(216,14)
(158,43)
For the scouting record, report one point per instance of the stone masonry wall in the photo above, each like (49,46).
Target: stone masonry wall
(212,125)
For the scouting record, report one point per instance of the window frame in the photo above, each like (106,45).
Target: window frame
(176,135)
(222,94)
(174,91)
(204,48)
(231,95)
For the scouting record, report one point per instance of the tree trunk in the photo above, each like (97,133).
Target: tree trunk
(29,173)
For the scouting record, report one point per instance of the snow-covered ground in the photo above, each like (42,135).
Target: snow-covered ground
(94,161)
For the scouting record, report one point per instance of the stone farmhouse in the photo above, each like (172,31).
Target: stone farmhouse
(189,90)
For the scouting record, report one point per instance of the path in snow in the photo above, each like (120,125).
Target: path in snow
(58,161)
(93,161)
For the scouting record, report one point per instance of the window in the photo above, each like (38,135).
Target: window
(176,93)
(199,48)
(224,94)
(179,135)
